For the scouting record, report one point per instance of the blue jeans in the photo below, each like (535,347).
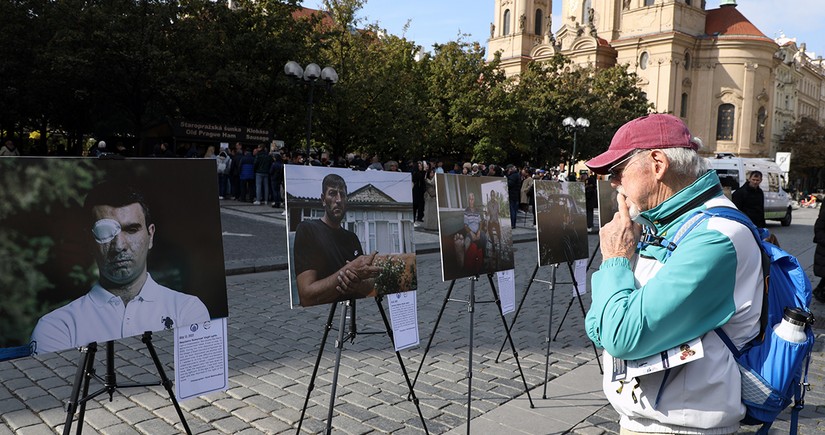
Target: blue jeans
(262,184)
(513,212)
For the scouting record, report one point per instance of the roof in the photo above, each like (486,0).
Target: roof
(727,22)
(302,12)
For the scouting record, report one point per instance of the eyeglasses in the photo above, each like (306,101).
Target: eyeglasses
(615,171)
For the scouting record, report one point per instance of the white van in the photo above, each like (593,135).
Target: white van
(733,171)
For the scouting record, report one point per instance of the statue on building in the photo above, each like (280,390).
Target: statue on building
(591,15)
(492,30)
(522,21)
(626,4)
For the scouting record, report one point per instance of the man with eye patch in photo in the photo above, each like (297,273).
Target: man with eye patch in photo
(125,301)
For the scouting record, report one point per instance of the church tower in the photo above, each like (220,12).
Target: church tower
(518,28)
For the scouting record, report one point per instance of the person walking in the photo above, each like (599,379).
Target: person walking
(750,199)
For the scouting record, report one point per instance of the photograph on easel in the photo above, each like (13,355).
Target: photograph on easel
(562,222)
(473,225)
(349,234)
(607,202)
(99,250)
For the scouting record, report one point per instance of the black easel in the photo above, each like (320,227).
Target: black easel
(85,373)
(344,335)
(552,284)
(471,301)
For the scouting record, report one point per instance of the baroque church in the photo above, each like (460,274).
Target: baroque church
(735,88)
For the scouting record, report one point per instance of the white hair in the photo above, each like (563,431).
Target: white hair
(687,162)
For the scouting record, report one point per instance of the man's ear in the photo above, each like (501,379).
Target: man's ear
(659,164)
(151,230)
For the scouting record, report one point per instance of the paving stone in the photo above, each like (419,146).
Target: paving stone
(249,414)
(156,426)
(230,424)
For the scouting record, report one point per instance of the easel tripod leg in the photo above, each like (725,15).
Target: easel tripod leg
(432,334)
(518,310)
(164,380)
(471,301)
(549,328)
(81,382)
(401,363)
(584,313)
(509,338)
(339,344)
(311,386)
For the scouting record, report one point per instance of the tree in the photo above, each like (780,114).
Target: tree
(550,91)
(806,143)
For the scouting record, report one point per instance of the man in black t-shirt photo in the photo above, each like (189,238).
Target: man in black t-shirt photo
(330,264)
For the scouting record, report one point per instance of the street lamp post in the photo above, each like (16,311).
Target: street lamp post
(310,77)
(574,125)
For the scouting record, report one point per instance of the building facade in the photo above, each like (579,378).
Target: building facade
(731,84)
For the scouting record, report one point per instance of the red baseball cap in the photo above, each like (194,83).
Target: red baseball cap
(655,131)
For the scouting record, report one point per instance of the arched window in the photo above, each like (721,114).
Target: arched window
(538,24)
(724,122)
(683,110)
(761,120)
(506,23)
(687,60)
(643,60)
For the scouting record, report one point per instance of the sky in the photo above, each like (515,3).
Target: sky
(441,21)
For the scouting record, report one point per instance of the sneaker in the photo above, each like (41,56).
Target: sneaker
(220,197)
(417,224)
(256,203)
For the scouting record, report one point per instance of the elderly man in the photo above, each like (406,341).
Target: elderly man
(649,297)
(329,261)
(125,301)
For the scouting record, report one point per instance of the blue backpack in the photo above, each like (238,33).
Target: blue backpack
(774,371)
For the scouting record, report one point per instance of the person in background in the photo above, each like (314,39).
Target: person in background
(819,255)
(751,200)
(8,149)
(591,200)
(224,163)
(262,164)
(247,176)
(236,153)
(276,179)
(430,203)
(419,173)
(513,192)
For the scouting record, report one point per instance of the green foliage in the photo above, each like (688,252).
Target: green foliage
(50,189)
(805,142)
(116,68)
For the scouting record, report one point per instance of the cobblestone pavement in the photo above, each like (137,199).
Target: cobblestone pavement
(272,350)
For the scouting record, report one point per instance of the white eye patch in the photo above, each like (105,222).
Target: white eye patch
(105,230)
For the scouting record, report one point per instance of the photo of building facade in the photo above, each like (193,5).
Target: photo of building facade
(736,88)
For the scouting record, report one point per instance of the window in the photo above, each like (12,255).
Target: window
(687,2)
(643,60)
(683,109)
(687,60)
(538,23)
(649,2)
(724,122)
(761,120)
(506,23)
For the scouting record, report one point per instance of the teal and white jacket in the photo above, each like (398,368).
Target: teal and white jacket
(655,302)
